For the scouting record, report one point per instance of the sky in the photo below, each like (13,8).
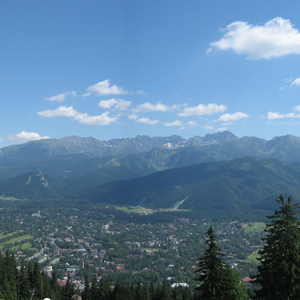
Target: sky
(117,69)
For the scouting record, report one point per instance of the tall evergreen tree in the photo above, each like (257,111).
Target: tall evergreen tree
(10,278)
(279,271)
(105,289)
(95,292)
(86,294)
(214,273)
(69,290)
(38,281)
(23,284)
(56,290)
(166,293)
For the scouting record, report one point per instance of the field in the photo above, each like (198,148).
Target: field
(253,257)
(256,226)
(2,197)
(17,239)
(135,209)
(23,247)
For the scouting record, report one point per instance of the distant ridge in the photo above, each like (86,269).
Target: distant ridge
(236,184)
(91,147)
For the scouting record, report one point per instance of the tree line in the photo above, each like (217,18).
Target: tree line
(278,273)
(279,269)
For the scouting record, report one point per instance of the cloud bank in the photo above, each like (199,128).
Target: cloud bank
(203,109)
(64,111)
(61,97)
(103,88)
(26,136)
(275,38)
(118,104)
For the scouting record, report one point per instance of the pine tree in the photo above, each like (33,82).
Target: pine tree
(55,288)
(86,294)
(69,290)
(38,281)
(279,270)
(214,273)
(166,293)
(10,278)
(234,289)
(105,289)
(23,284)
(94,289)
(46,286)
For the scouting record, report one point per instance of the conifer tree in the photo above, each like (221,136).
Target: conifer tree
(86,294)
(69,290)
(10,278)
(55,288)
(279,270)
(145,292)
(46,286)
(94,289)
(216,277)
(105,289)
(166,293)
(23,284)
(38,281)
(212,271)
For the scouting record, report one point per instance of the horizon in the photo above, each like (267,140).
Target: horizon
(114,70)
(142,135)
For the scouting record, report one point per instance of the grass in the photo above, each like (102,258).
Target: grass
(16,239)
(134,209)
(253,257)
(140,209)
(29,180)
(25,246)
(2,197)
(2,236)
(256,226)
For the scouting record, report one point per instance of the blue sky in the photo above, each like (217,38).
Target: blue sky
(113,69)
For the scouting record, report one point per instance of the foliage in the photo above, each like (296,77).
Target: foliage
(217,280)
(279,272)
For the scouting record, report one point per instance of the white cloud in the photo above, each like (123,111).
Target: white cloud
(103,119)
(276,115)
(133,117)
(142,92)
(207,127)
(175,123)
(119,104)
(84,118)
(147,121)
(26,136)
(232,117)
(296,82)
(297,108)
(189,124)
(104,88)
(61,97)
(203,109)
(148,107)
(1,139)
(275,38)
(62,111)
(222,128)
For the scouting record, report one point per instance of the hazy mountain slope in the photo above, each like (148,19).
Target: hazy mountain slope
(91,147)
(113,169)
(33,185)
(230,184)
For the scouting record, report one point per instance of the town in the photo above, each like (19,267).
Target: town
(103,241)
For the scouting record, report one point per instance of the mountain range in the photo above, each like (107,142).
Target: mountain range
(156,172)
